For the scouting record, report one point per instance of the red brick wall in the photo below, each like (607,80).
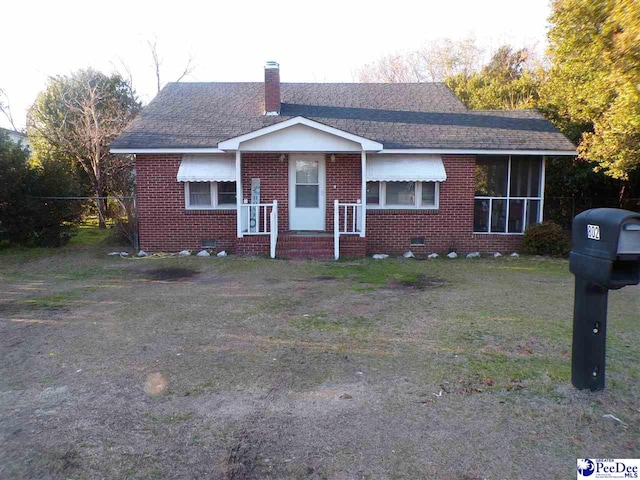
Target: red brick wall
(343,182)
(164,223)
(449,227)
(253,245)
(274,182)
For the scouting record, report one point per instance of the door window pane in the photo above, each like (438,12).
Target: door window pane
(226,193)
(373,193)
(307,196)
(516,216)
(481,216)
(428,194)
(525,176)
(401,193)
(491,176)
(200,194)
(533,212)
(498,216)
(306,171)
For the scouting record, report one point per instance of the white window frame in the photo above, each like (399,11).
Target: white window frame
(214,198)
(382,195)
(508,197)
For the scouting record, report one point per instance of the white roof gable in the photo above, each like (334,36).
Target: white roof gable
(298,136)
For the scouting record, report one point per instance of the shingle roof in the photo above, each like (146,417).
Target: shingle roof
(13,132)
(424,115)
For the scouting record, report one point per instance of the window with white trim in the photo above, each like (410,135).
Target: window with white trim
(210,195)
(403,195)
(508,196)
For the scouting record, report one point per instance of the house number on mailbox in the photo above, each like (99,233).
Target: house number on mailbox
(593,232)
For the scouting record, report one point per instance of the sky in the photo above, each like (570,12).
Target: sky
(321,41)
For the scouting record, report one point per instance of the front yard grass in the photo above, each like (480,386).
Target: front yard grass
(254,368)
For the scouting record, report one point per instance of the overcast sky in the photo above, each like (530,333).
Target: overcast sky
(313,41)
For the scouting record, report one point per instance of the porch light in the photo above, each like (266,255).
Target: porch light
(333,158)
(283,158)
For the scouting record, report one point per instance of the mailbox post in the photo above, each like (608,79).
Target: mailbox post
(605,255)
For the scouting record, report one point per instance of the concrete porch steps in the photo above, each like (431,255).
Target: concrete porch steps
(306,253)
(311,246)
(318,246)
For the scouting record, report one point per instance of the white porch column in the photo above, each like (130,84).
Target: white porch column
(239,193)
(542,182)
(363,198)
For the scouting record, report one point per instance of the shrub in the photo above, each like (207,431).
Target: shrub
(25,216)
(546,238)
(124,232)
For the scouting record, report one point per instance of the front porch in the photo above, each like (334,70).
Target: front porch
(301,205)
(300,176)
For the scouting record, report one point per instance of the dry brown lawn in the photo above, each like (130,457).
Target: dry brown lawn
(252,368)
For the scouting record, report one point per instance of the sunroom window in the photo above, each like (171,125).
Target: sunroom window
(402,195)
(508,193)
(210,195)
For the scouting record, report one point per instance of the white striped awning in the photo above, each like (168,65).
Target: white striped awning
(405,168)
(207,168)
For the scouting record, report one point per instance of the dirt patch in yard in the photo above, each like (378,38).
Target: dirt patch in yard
(169,274)
(324,278)
(421,282)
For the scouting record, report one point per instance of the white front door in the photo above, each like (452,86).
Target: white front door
(306,191)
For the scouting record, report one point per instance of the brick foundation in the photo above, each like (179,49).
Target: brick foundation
(165,225)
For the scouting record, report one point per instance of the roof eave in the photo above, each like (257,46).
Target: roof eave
(176,150)
(480,151)
(436,151)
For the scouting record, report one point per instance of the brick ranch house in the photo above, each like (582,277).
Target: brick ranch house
(324,170)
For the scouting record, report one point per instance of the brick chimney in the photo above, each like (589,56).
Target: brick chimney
(272,88)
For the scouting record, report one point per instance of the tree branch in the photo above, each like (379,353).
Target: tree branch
(188,69)
(5,108)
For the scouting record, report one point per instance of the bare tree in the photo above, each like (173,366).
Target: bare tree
(124,71)
(77,117)
(432,63)
(445,58)
(395,68)
(157,63)
(5,108)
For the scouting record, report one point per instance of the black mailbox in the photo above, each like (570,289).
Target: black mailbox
(606,247)
(605,255)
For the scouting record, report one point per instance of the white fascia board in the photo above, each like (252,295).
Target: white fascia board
(446,151)
(234,143)
(165,150)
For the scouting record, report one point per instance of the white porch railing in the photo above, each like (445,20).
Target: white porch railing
(347,220)
(260,219)
(274,229)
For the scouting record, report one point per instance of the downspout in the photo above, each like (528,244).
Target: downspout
(239,193)
(363,200)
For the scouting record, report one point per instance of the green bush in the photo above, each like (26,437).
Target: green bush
(546,238)
(26,217)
